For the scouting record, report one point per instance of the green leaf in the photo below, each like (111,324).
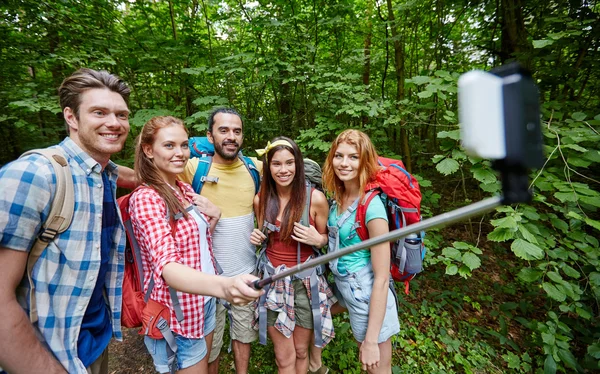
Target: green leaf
(548,339)
(560,224)
(595,224)
(575,147)
(451,269)
(501,235)
(578,116)
(529,274)
(554,292)
(594,350)
(583,313)
(471,260)
(567,357)
(454,134)
(425,94)
(419,79)
(527,235)
(554,276)
(542,43)
(526,250)
(549,365)
(447,166)
(508,222)
(484,176)
(571,272)
(461,245)
(452,253)
(513,360)
(565,196)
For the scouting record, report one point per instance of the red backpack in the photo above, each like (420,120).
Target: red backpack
(402,197)
(134,298)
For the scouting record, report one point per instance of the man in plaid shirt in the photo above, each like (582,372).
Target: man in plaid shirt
(78,277)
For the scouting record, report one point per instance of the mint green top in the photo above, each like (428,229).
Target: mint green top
(353,262)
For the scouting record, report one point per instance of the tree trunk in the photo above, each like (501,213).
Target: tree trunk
(366,76)
(514,35)
(399,65)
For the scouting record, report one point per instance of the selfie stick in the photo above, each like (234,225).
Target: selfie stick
(499,113)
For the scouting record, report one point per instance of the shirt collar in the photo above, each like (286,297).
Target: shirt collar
(85,161)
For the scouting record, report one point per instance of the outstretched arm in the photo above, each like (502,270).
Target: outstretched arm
(126,178)
(20,349)
(236,290)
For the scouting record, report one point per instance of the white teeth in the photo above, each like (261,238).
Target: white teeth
(110,136)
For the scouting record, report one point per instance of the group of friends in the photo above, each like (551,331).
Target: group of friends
(208,254)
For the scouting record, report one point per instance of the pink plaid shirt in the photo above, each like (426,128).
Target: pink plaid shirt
(158,247)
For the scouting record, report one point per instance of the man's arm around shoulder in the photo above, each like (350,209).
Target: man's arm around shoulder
(20,349)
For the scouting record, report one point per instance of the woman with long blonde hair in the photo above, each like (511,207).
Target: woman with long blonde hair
(362,277)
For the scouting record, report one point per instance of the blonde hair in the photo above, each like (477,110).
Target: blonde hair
(145,169)
(367,166)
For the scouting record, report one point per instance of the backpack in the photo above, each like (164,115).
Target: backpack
(59,218)
(401,196)
(138,310)
(203,149)
(313,174)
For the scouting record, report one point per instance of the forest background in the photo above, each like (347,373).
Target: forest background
(515,291)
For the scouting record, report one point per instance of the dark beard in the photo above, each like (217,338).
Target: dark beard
(226,156)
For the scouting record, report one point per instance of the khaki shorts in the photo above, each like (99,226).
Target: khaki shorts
(241,329)
(302,307)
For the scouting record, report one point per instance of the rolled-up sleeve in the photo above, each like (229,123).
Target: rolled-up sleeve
(26,187)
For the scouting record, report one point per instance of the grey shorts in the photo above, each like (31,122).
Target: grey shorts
(354,292)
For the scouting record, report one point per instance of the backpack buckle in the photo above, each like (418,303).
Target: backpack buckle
(206,178)
(47,235)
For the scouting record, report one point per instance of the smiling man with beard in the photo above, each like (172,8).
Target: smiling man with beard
(233,194)
(78,277)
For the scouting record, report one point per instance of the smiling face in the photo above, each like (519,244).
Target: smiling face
(346,162)
(227,136)
(283,168)
(169,151)
(101,127)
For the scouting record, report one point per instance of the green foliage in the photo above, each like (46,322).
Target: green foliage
(300,69)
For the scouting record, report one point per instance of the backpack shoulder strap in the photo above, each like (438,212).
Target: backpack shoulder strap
(59,218)
(361,214)
(253,170)
(201,174)
(305,219)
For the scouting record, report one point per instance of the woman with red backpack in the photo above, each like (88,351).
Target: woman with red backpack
(361,278)
(172,226)
(293,219)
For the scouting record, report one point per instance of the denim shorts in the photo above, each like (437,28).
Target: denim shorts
(189,351)
(354,292)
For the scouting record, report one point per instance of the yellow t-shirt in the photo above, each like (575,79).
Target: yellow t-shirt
(233,193)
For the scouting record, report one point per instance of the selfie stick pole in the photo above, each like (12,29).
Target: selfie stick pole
(441,220)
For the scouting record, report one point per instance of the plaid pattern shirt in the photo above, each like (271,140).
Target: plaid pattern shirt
(158,248)
(280,298)
(65,275)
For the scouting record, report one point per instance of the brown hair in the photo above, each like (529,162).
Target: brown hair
(84,79)
(367,167)
(269,200)
(146,171)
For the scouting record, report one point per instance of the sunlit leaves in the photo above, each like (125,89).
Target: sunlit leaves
(526,250)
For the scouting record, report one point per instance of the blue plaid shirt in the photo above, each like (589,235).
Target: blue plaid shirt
(65,275)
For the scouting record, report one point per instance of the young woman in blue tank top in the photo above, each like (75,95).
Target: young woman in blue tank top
(361,278)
